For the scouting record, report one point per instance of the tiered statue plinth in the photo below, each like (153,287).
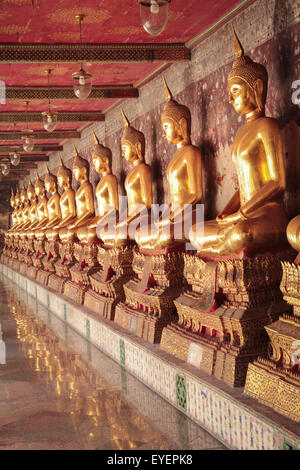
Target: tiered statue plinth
(27,260)
(149,297)
(48,261)
(107,285)
(275,381)
(37,258)
(87,264)
(223,313)
(62,267)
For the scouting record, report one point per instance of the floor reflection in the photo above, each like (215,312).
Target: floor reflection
(59,392)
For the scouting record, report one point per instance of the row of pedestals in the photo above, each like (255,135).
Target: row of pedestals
(235,318)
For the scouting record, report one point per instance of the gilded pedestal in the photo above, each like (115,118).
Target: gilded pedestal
(149,297)
(86,256)
(37,256)
(275,381)
(223,313)
(62,266)
(107,284)
(48,261)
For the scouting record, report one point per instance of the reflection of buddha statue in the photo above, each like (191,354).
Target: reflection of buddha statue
(67,202)
(138,182)
(255,216)
(184,174)
(84,199)
(53,207)
(106,194)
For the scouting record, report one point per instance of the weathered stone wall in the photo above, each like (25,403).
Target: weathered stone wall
(270,33)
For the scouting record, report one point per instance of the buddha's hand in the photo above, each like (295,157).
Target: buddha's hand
(224,219)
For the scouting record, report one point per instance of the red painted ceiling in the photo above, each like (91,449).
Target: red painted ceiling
(106,21)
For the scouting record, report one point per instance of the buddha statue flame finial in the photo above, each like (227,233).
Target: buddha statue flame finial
(79,162)
(50,178)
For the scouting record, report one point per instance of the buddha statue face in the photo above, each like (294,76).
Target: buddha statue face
(100,163)
(12,201)
(242,97)
(80,173)
(50,185)
(171,131)
(30,192)
(17,199)
(129,152)
(24,197)
(132,143)
(63,181)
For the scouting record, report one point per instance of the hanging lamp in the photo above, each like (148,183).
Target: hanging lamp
(28,144)
(82,80)
(154,15)
(49,118)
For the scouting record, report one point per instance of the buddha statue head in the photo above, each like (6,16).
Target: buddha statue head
(50,182)
(101,157)
(80,167)
(133,143)
(24,196)
(39,186)
(247,82)
(175,120)
(30,191)
(64,175)
(12,199)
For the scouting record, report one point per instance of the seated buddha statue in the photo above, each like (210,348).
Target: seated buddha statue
(184,174)
(53,207)
(106,195)
(23,211)
(18,213)
(27,210)
(13,205)
(138,182)
(66,202)
(254,218)
(84,200)
(33,208)
(41,208)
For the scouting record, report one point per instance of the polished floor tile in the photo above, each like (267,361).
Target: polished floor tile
(52,397)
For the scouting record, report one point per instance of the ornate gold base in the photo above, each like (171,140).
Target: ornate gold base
(57,283)
(43,276)
(75,291)
(150,296)
(66,261)
(274,388)
(145,326)
(223,314)
(32,272)
(107,284)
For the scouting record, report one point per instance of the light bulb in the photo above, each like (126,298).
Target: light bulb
(49,118)
(82,84)
(81,80)
(28,144)
(5,170)
(15,159)
(154,8)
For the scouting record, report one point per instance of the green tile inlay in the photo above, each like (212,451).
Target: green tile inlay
(88,329)
(181,391)
(288,446)
(124,379)
(65,312)
(122,352)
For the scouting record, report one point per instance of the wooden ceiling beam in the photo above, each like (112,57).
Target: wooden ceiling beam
(67,93)
(63,116)
(37,148)
(39,135)
(93,53)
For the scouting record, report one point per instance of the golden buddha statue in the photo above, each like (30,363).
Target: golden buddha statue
(138,182)
(84,199)
(53,206)
(254,218)
(27,210)
(184,175)
(13,205)
(41,207)
(67,202)
(106,195)
(18,212)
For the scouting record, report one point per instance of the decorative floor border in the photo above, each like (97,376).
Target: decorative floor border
(236,420)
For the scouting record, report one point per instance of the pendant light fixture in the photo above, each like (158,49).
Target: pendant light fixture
(49,118)
(4,169)
(154,15)
(28,144)
(15,155)
(82,80)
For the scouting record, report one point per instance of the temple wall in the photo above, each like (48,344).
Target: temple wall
(270,33)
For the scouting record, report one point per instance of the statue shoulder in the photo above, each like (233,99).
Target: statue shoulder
(270,124)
